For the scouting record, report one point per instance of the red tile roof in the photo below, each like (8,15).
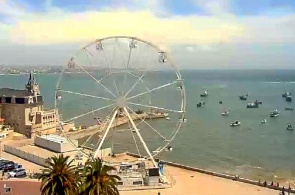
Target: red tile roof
(21,187)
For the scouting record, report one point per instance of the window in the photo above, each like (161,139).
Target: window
(120,183)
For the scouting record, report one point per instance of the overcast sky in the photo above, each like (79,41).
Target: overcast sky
(196,33)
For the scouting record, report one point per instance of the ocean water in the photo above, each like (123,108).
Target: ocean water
(206,140)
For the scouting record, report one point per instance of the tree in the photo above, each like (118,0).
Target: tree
(97,180)
(59,177)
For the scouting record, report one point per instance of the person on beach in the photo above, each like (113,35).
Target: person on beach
(264,184)
(271,184)
(278,185)
(283,190)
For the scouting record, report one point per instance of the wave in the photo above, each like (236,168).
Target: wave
(279,82)
(249,166)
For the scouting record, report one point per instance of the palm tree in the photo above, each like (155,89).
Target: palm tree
(97,180)
(59,177)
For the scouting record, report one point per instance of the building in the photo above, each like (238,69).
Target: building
(23,110)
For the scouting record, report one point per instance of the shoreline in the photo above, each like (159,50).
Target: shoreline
(218,174)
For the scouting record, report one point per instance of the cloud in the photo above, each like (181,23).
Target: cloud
(53,28)
(10,8)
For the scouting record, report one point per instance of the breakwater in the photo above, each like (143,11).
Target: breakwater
(119,122)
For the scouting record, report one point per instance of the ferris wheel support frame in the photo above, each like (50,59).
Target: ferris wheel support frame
(106,133)
(140,137)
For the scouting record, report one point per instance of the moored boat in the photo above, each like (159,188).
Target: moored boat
(225,113)
(263,121)
(200,104)
(289,108)
(236,123)
(243,97)
(205,94)
(274,113)
(253,105)
(289,98)
(287,93)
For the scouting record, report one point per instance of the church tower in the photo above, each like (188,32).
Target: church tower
(32,86)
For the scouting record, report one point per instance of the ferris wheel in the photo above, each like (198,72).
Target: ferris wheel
(124,93)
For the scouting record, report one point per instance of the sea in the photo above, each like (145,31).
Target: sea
(253,150)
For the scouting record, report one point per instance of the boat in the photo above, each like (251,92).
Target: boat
(225,113)
(133,130)
(236,123)
(167,118)
(183,120)
(200,104)
(169,148)
(289,108)
(274,113)
(205,94)
(289,98)
(263,121)
(253,105)
(58,97)
(290,128)
(287,93)
(220,102)
(243,97)
(258,101)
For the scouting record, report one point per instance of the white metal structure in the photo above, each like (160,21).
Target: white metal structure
(127,83)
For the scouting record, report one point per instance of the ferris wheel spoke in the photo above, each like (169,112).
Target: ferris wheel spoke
(140,137)
(110,66)
(162,136)
(87,113)
(83,94)
(126,68)
(151,90)
(137,81)
(97,81)
(155,107)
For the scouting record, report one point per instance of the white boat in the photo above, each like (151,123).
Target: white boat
(263,121)
(236,123)
(274,113)
(183,120)
(225,113)
(169,148)
(167,118)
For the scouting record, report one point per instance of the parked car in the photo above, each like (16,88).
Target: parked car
(17,173)
(9,166)
(3,163)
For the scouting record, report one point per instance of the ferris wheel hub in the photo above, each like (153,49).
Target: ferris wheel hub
(121,102)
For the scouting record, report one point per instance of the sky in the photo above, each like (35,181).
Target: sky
(223,34)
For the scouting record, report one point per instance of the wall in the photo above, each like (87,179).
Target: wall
(25,155)
(55,146)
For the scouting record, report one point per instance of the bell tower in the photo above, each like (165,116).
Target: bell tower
(32,86)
